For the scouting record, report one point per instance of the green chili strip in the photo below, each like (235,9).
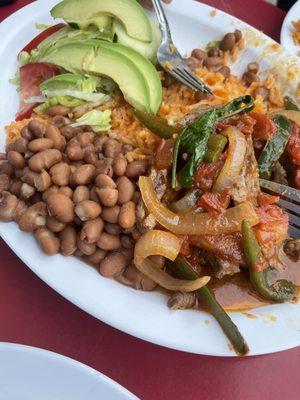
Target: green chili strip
(183,269)
(157,125)
(290,104)
(194,138)
(281,290)
(215,147)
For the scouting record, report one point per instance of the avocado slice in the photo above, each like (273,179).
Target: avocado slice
(146,68)
(148,50)
(91,57)
(129,12)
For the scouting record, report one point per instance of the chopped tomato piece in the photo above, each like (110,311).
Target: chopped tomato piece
(31,76)
(264,127)
(42,36)
(244,123)
(215,203)
(264,199)
(207,173)
(164,154)
(273,224)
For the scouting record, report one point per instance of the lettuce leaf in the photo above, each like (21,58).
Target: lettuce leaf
(99,121)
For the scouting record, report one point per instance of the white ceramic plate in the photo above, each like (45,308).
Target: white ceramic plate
(29,373)
(287,28)
(146,315)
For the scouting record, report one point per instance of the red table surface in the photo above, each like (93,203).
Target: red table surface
(32,313)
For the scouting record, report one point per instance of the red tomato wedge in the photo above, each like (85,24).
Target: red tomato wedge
(42,36)
(31,76)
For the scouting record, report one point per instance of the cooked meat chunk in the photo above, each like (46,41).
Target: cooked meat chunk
(247,186)
(183,301)
(292,249)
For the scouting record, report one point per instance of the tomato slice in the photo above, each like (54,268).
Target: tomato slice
(264,127)
(31,76)
(42,36)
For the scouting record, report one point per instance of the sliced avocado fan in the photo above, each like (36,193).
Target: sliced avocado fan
(93,58)
(129,12)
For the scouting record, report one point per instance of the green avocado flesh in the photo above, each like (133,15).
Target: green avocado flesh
(146,68)
(129,12)
(93,58)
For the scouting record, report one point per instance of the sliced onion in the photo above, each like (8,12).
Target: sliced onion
(292,115)
(234,161)
(165,244)
(195,223)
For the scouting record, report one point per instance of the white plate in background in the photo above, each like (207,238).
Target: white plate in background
(286,39)
(146,315)
(29,373)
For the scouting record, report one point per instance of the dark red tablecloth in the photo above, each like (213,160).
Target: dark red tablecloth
(31,313)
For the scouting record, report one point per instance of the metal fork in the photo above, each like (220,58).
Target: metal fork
(169,57)
(289,201)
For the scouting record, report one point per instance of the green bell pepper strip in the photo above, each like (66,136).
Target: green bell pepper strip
(289,104)
(278,292)
(183,269)
(157,125)
(194,138)
(215,147)
(274,147)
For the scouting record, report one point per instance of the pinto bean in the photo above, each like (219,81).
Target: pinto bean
(213,62)
(69,132)
(138,280)
(81,193)
(253,67)
(74,151)
(6,168)
(40,144)
(66,191)
(113,265)
(250,77)
(60,121)
(48,242)
(214,51)
(34,217)
(26,191)
(104,167)
(68,241)
(137,168)
(119,165)
(193,63)
(112,229)
(96,257)
(125,190)
(111,214)
(53,133)
(37,127)
(19,145)
(127,216)
(90,156)
(238,35)
(92,230)
(99,143)
(109,242)
(26,133)
(107,196)
(52,190)
(86,248)
(61,207)
(15,187)
(263,92)
(42,181)
(88,209)
(58,110)
(16,159)
(85,138)
(54,225)
(199,54)
(228,42)
(84,174)
(112,148)
(225,71)
(60,174)
(45,159)
(36,198)
(103,180)
(8,205)
(4,183)
(127,242)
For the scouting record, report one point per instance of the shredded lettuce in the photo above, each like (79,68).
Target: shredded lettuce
(213,43)
(53,101)
(24,58)
(15,80)
(41,26)
(99,121)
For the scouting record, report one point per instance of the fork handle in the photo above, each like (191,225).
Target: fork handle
(162,20)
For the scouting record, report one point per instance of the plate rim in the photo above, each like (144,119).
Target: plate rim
(158,340)
(66,361)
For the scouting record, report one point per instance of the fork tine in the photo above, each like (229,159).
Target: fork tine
(282,190)
(196,82)
(178,76)
(294,232)
(185,79)
(294,208)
